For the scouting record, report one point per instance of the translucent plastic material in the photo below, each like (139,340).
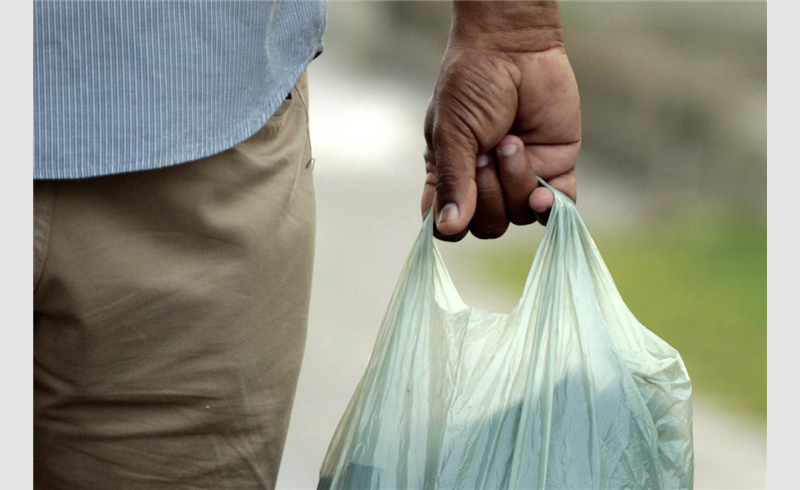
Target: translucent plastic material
(568,391)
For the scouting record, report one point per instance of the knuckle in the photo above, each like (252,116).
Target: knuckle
(430,160)
(444,133)
(430,180)
(521,219)
(489,231)
(447,182)
(428,132)
(489,191)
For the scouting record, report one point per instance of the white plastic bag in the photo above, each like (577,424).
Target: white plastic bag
(568,391)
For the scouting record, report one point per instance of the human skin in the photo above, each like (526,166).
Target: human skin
(505,110)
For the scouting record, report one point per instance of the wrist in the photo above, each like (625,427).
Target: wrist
(522,26)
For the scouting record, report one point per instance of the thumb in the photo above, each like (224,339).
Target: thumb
(456,190)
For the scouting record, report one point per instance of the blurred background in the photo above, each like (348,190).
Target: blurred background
(672,185)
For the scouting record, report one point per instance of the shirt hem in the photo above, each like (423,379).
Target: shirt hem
(242,133)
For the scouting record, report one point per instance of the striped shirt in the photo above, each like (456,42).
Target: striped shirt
(135,85)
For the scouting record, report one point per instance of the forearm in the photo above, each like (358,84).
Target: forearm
(507,26)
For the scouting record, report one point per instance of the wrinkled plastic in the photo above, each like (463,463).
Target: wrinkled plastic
(568,391)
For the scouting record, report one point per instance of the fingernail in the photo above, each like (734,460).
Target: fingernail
(508,150)
(483,161)
(448,213)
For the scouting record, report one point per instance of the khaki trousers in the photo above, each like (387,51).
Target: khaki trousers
(170,312)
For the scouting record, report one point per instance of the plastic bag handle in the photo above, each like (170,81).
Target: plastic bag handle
(444,290)
(560,201)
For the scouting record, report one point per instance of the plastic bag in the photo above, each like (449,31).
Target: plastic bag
(568,391)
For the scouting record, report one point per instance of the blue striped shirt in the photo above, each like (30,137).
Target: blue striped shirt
(126,86)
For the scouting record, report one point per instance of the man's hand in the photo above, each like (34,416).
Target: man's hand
(505,109)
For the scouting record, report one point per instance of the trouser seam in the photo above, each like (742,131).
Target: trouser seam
(302,98)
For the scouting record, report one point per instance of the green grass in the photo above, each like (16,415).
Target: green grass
(699,281)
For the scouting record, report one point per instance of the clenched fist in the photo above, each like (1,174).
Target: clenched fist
(505,110)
